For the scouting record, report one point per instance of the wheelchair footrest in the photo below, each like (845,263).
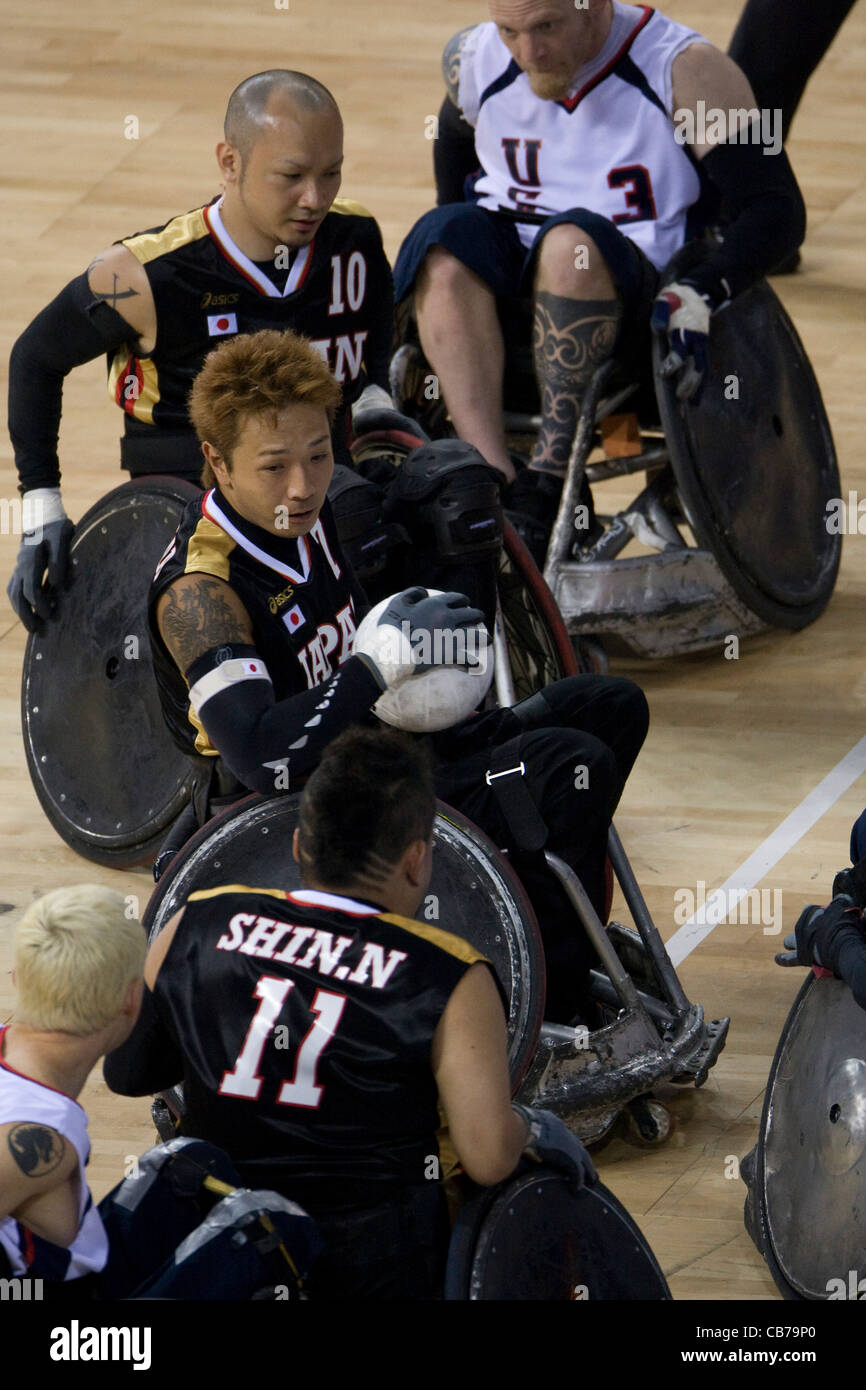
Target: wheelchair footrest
(700,1064)
(661,604)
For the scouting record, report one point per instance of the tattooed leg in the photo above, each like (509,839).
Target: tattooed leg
(571,339)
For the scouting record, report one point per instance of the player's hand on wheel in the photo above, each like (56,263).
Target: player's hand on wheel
(45,544)
(550,1141)
(418,630)
(683,314)
(810,943)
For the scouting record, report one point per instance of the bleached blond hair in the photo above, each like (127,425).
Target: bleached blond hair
(77,951)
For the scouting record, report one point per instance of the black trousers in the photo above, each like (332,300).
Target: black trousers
(578,747)
(779,44)
(397,1250)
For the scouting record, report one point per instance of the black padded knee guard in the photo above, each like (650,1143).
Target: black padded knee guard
(447,499)
(366,538)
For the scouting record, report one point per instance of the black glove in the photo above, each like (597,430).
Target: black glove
(852,882)
(552,1142)
(28,588)
(820,931)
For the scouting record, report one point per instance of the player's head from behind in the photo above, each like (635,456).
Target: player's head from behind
(551,39)
(262,407)
(366,820)
(78,964)
(280,161)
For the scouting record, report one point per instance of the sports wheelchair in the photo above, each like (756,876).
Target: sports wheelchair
(530,1237)
(728,534)
(650,1031)
(102,763)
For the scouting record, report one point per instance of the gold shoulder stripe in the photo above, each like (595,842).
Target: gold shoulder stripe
(445,940)
(349,206)
(208,550)
(180,231)
(235,888)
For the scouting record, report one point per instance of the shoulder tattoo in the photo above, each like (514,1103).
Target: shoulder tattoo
(197,617)
(451,55)
(37,1150)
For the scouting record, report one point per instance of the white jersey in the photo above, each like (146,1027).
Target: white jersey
(609,146)
(23,1100)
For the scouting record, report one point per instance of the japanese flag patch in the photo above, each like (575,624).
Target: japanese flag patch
(294,618)
(217,324)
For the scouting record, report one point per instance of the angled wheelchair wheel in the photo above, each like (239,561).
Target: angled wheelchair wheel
(540,650)
(533,1239)
(754,461)
(102,762)
(809,1175)
(473,893)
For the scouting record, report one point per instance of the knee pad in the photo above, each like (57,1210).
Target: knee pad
(366,538)
(447,498)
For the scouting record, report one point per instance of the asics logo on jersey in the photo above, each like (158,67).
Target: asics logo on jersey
(216,301)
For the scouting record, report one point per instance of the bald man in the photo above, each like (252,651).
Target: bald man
(592,138)
(278,249)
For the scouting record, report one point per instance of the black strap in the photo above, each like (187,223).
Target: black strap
(507,781)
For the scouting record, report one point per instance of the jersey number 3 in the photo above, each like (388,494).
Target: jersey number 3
(244,1080)
(635,182)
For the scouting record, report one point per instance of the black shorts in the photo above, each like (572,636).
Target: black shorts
(489,245)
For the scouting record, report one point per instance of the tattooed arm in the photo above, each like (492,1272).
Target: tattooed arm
(108,307)
(451,63)
(199,613)
(117,279)
(39,1180)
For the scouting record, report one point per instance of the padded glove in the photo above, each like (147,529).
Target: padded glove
(552,1142)
(47,535)
(417,631)
(812,940)
(684,315)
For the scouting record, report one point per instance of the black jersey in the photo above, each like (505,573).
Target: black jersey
(303,602)
(338,294)
(306,1022)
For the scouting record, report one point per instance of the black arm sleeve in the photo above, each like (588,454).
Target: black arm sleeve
(150,1060)
(454,157)
(261,740)
(74,328)
(842,949)
(767,218)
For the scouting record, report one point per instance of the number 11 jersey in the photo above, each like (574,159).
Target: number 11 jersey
(306,1022)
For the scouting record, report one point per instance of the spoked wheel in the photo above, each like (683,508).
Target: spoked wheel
(539,648)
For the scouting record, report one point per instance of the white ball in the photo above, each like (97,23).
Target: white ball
(437,698)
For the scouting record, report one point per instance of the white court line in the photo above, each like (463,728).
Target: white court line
(722,902)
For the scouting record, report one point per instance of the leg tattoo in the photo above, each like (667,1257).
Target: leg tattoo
(571,339)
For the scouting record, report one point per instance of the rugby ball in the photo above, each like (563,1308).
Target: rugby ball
(440,696)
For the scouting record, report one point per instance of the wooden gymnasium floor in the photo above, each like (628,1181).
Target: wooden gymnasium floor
(734,746)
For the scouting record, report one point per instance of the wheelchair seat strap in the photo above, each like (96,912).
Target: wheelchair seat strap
(507,781)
